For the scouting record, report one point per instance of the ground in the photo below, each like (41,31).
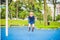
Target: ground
(21,33)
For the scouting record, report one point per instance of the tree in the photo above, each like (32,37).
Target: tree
(54,3)
(3,13)
(49,17)
(45,13)
(23,14)
(24,5)
(12,10)
(16,5)
(39,15)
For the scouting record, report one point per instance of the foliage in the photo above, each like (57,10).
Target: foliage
(49,18)
(12,10)
(24,6)
(23,14)
(3,12)
(39,15)
(58,17)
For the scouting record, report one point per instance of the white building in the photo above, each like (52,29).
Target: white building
(58,9)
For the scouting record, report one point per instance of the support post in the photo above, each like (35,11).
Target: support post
(6,17)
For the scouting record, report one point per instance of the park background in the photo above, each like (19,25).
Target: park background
(47,13)
(14,19)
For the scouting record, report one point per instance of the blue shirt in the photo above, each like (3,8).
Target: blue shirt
(31,20)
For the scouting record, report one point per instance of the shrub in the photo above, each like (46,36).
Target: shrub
(58,17)
(49,18)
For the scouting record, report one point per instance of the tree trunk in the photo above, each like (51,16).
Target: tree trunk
(54,3)
(45,13)
(17,11)
(11,16)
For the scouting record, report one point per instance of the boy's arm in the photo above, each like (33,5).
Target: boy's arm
(34,19)
(28,19)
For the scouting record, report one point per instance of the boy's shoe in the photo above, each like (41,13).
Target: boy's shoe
(29,29)
(32,29)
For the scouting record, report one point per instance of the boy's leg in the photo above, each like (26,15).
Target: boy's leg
(32,27)
(29,27)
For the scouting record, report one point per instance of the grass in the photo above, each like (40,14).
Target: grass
(14,22)
(38,24)
(54,24)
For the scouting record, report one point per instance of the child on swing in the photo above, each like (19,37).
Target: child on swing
(31,21)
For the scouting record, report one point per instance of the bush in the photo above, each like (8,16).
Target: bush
(58,17)
(3,12)
(49,18)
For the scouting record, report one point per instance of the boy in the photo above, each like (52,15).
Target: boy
(31,20)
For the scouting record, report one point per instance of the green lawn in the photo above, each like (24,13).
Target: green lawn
(38,24)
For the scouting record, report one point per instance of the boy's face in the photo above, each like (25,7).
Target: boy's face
(31,14)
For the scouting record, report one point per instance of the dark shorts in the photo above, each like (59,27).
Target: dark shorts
(31,23)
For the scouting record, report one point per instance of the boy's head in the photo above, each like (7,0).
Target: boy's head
(31,14)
